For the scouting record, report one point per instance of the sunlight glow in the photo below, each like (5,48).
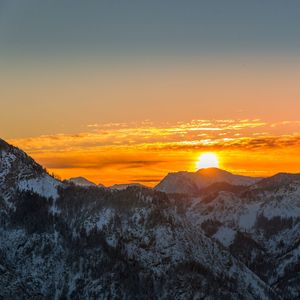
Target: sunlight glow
(207,160)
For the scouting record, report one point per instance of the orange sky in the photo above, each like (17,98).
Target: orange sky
(145,151)
(136,121)
(43,98)
(121,92)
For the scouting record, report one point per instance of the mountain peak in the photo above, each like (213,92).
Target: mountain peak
(3,144)
(81,181)
(278,180)
(19,172)
(212,171)
(194,182)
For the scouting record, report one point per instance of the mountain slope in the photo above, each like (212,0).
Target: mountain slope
(192,183)
(259,226)
(131,243)
(20,172)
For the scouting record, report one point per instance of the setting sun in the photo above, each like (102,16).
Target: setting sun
(207,160)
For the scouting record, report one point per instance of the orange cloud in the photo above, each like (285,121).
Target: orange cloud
(145,152)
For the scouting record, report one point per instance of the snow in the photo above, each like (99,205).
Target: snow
(191,183)
(104,218)
(45,186)
(81,181)
(112,241)
(100,220)
(247,219)
(285,204)
(161,244)
(225,235)
(6,160)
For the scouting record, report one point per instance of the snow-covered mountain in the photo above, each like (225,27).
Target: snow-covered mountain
(260,225)
(19,172)
(81,181)
(64,241)
(192,183)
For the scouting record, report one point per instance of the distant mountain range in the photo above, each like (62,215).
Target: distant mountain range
(204,235)
(183,182)
(192,183)
(83,182)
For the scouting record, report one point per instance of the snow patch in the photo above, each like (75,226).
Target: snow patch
(45,186)
(248,219)
(225,236)
(99,221)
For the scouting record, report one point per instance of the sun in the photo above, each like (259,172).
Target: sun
(207,160)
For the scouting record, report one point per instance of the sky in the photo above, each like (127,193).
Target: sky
(127,91)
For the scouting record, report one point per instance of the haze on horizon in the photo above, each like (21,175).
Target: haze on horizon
(124,92)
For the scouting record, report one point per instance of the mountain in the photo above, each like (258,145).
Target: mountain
(81,181)
(278,180)
(192,183)
(124,186)
(19,172)
(260,226)
(64,241)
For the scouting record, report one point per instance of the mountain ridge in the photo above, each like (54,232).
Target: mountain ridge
(192,182)
(82,181)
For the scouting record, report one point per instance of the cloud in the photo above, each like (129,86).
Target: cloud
(196,135)
(116,134)
(134,151)
(76,160)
